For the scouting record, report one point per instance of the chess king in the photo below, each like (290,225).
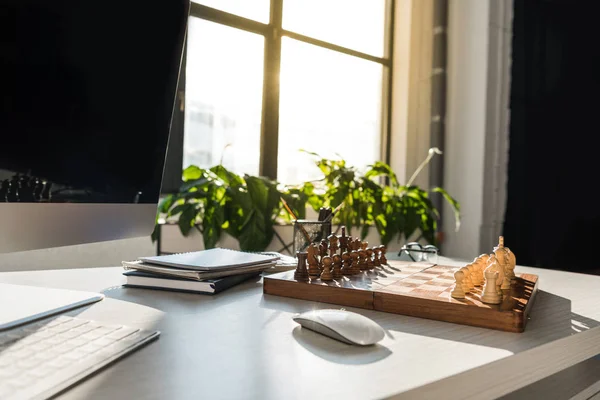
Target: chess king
(505,260)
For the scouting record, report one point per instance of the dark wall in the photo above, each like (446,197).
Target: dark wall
(553,211)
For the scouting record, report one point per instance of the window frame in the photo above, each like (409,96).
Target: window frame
(269,135)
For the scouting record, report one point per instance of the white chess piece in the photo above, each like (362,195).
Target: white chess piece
(473,275)
(466,282)
(482,265)
(490,294)
(498,268)
(512,264)
(503,258)
(458,292)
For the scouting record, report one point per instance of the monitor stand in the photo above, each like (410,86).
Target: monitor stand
(22,304)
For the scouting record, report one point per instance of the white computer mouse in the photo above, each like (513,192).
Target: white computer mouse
(345,326)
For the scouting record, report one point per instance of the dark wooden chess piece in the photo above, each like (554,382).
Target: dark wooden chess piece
(4,190)
(382,258)
(326,275)
(355,268)
(337,267)
(313,262)
(301,274)
(323,247)
(343,241)
(370,262)
(47,191)
(333,244)
(346,264)
(376,253)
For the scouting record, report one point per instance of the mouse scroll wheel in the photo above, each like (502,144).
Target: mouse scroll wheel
(342,309)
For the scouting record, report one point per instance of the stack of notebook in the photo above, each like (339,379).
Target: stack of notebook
(207,271)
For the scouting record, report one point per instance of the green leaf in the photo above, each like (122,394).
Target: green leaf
(214,218)
(165,204)
(453,203)
(196,183)
(381,169)
(192,173)
(187,219)
(228,177)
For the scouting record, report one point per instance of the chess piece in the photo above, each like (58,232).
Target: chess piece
(474,280)
(337,267)
(376,253)
(343,241)
(382,257)
(346,264)
(333,244)
(490,294)
(458,292)
(493,262)
(362,259)
(466,281)
(482,261)
(326,275)
(511,265)
(323,247)
(301,274)
(313,262)
(504,261)
(355,267)
(370,262)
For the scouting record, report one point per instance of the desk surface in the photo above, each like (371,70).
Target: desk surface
(243,344)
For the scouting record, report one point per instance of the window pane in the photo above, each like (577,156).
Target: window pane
(257,10)
(356,24)
(329,103)
(223,99)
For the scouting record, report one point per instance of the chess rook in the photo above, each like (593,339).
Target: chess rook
(301,274)
(490,294)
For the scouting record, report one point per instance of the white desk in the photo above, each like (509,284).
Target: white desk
(242,344)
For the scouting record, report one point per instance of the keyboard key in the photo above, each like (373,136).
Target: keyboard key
(121,333)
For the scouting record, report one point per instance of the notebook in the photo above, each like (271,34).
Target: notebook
(210,260)
(191,274)
(152,281)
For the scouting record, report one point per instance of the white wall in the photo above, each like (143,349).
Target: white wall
(479,34)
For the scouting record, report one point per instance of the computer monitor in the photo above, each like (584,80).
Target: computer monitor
(87,90)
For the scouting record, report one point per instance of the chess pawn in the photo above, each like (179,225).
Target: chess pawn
(326,275)
(301,274)
(466,281)
(482,262)
(490,294)
(376,253)
(337,267)
(346,264)
(472,275)
(355,260)
(370,262)
(333,244)
(458,292)
(313,262)
(362,259)
(382,257)
(495,265)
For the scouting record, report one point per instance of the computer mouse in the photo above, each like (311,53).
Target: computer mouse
(345,326)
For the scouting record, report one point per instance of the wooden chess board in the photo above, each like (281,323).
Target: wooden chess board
(415,289)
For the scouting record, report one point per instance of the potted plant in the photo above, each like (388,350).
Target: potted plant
(247,207)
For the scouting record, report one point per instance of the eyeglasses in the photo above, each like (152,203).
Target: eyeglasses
(414,251)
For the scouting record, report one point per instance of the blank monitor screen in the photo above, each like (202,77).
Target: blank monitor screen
(87,91)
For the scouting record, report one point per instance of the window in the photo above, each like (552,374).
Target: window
(263,79)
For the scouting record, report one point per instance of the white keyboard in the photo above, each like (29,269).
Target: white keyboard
(39,360)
